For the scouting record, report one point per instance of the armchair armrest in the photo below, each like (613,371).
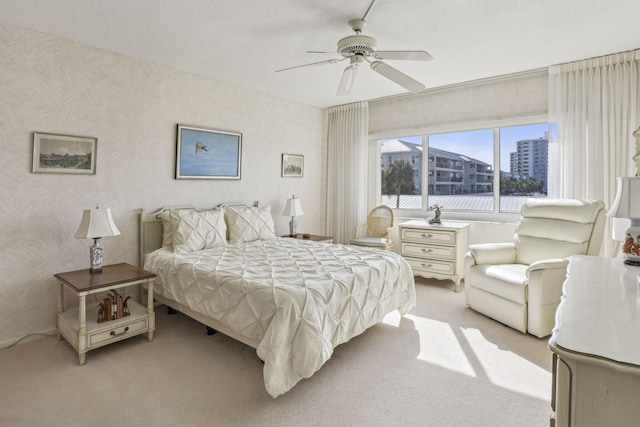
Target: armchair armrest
(493,253)
(548,264)
(356,230)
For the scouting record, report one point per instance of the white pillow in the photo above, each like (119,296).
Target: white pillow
(196,230)
(248,224)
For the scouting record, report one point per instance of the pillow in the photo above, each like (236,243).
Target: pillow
(248,224)
(167,227)
(195,230)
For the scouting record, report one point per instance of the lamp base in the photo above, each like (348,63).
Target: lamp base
(95,254)
(631,245)
(292,228)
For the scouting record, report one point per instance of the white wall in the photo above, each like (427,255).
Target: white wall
(48,84)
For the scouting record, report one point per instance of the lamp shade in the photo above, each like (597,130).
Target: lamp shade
(97,223)
(627,201)
(293,207)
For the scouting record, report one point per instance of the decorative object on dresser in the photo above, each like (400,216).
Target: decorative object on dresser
(292,166)
(130,318)
(96,224)
(435,250)
(520,283)
(293,209)
(208,154)
(596,351)
(437,211)
(376,233)
(627,205)
(68,154)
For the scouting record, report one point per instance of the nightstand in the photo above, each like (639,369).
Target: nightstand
(87,334)
(312,237)
(435,250)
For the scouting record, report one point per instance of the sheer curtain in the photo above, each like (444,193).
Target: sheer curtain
(595,104)
(348,127)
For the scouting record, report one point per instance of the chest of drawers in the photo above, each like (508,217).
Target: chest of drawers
(435,250)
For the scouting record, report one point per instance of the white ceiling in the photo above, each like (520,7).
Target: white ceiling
(246,41)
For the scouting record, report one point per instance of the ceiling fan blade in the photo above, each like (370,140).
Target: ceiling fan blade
(407,55)
(397,76)
(347,79)
(313,64)
(320,51)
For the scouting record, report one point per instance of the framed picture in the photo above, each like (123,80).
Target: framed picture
(54,153)
(292,165)
(207,154)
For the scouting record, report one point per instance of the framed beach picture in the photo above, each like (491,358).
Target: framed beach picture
(53,153)
(292,165)
(208,154)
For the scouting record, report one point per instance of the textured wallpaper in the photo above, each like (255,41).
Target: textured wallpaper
(48,84)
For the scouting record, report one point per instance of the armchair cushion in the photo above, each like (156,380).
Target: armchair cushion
(507,280)
(377,242)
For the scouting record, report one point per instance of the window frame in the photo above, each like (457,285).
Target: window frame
(424,212)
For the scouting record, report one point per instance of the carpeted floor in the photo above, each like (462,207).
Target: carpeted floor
(440,365)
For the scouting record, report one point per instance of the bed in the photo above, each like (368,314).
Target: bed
(292,300)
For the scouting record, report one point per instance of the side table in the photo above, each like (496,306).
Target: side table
(312,237)
(87,334)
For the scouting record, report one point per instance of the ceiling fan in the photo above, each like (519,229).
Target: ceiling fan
(360,49)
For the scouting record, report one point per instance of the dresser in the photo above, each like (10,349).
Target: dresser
(435,250)
(596,345)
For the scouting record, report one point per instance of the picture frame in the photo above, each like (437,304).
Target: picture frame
(66,154)
(203,153)
(292,165)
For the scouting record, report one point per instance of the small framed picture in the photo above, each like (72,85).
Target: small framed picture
(53,153)
(292,165)
(207,154)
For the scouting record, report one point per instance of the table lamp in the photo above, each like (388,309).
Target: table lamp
(293,209)
(96,223)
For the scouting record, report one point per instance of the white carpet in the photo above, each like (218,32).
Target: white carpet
(440,365)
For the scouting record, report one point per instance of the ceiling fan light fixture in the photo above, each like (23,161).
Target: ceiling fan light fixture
(347,79)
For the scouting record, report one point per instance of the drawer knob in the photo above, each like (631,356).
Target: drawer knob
(427,251)
(113,333)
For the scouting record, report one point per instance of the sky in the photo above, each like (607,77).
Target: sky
(478,144)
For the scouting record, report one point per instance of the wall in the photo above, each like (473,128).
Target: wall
(48,84)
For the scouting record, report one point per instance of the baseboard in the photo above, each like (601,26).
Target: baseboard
(28,338)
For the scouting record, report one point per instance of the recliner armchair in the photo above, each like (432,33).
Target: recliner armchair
(520,283)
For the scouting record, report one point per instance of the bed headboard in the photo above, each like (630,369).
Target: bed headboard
(151,228)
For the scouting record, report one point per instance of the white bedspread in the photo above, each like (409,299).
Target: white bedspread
(298,299)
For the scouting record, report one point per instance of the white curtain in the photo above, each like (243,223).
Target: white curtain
(595,104)
(348,128)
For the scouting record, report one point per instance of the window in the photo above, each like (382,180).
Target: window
(457,170)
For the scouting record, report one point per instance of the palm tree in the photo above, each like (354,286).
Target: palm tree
(397,178)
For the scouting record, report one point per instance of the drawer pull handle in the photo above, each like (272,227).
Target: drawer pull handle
(427,251)
(427,236)
(113,333)
(427,265)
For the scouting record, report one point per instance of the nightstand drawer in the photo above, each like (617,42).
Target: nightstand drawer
(430,251)
(118,332)
(441,237)
(431,266)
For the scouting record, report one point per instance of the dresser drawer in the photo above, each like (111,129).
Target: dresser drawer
(419,266)
(429,251)
(118,332)
(441,237)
